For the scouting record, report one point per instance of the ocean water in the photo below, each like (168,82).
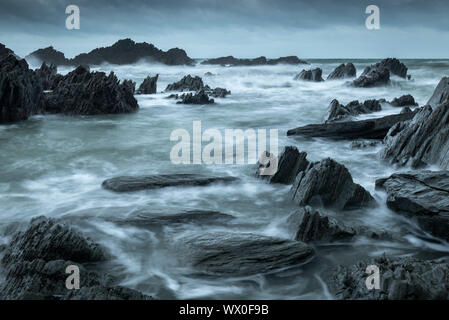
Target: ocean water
(54,166)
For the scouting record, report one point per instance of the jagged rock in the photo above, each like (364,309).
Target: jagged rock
(343,71)
(310,225)
(360,144)
(49,56)
(365,129)
(423,196)
(81,92)
(198,98)
(101,292)
(406,110)
(424,140)
(240,254)
(286,60)
(395,67)
(231,61)
(441,93)
(4,51)
(129,85)
(372,76)
(148,86)
(187,83)
(48,76)
(217,92)
(290,163)
(403,101)
(127,183)
(338,112)
(329,184)
(400,279)
(20,90)
(310,75)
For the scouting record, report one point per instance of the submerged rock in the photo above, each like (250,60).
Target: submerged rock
(404,101)
(338,112)
(361,144)
(311,225)
(240,254)
(310,75)
(422,141)
(364,129)
(217,92)
(400,279)
(148,86)
(343,71)
(441,93)
(198,98)
(128,183)
(423,196)
(372,76)
(329,184)
(187,83)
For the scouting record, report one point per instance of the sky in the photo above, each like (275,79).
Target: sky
(243,28)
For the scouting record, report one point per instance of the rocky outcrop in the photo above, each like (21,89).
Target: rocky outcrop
(422,196)
(329,184)
(362,144)
(395,67)
(365,129)
(338,112)
(35,263)
(232,61)
(199,97)
(372,76)
(82,92)
(4,51)
(217,92)
(441,93)
(49,56)
(128,183)
(422,141)
(404,101)
(148,86)
(48,76)
(310,75)
(240,254)
(20,90)
(343,71)
(290,163)
(187,83)
(310,225)
(400,279)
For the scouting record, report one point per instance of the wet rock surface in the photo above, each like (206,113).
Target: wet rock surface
(373,76)
(187,83)
(199,97)
(339,112)
(232,61)
(404,101)
(343,71)
(395,67)
(148,86)
(310,75)
(49,56)
(441,93)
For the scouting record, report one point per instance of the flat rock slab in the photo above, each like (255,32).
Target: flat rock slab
(366,129)
(240,254)
(136,183)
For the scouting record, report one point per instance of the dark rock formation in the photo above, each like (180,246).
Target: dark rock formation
(240,254)
(199,97)
(364,129)
(310,75)
(81,92)
(311,225)
(4,51)
(148,86)
(20,90)
(424,140)
(441,93)
(217,92)
(338,112)
(329,184)
(187,83)
(48,76)
(423,196)
(290,163)
(400,279)
(49,56)
(127,184)
(361,144)
(395,67)
(372,76)
(129,85)
(35,263)
(231,61)
(343,71)
(404,101)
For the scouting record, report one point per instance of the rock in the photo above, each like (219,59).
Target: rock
(187,83)
(372,76)
(217,92)
(290,163)
(4,51)
(129,85)
(48,76)
(81,92)
(310,75)
(400,279)
(209,74)
(403,101)
(240,254)
(406,110)
(198,98)
(20,90)
(231,61)
(395,67)
(148,86)
(441,93)
(286,60)
(364,129)
(311,225)
(423,196)
(128,183)
(343,71)
(422,141)
(338,112)
(49,56)
(106,293)
(361,144)
(329,184)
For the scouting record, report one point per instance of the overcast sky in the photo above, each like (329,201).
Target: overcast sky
(243,28)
